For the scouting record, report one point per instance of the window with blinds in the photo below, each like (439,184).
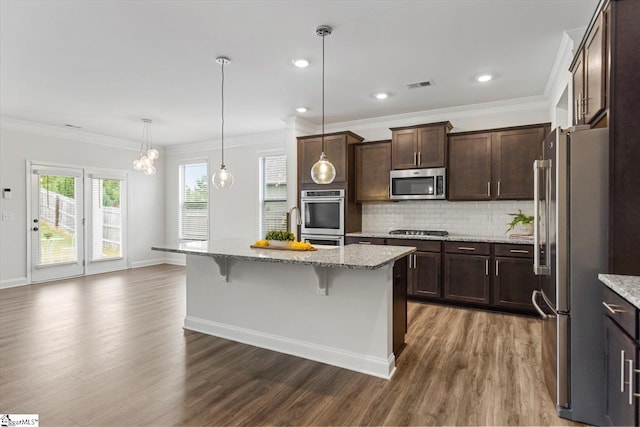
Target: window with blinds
(273,194)
(194,201)
(106,218)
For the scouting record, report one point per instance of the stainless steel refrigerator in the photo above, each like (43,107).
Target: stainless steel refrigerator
(570,236)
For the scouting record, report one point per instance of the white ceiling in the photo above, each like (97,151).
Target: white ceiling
(104,65)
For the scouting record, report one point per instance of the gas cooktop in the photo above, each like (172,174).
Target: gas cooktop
(420,232)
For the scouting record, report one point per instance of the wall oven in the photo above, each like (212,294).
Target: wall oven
(322,212)
(319,239)
(418,184)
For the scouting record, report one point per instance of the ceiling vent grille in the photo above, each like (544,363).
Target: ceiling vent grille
(420,84)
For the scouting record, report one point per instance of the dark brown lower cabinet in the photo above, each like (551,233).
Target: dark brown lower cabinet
(467,272)
(513,283)
(425,275)
(620,376)
(466,278)
(424,267)
(399,304)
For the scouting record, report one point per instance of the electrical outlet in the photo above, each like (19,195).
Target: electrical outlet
(7,216)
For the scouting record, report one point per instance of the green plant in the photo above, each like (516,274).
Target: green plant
(47,234)
(519,218)
(282,236)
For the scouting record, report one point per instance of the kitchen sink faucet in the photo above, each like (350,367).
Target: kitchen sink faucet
(298,220)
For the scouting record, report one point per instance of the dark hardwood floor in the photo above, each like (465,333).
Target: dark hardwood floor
(110,350)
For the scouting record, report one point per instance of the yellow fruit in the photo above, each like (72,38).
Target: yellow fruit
(261,243)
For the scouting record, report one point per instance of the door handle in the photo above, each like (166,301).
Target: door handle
(415,158)
(486,267)
(542,314)
(36,220)
(621,371)
(498,189)
(466,248)
(631,373)
(419,158)
(35,229)
(538,269)
(497,268)
(489,188)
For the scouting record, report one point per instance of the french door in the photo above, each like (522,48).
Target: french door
(56,223)
(77,221)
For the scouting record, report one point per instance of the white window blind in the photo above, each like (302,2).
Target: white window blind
(194,201)
(273,194)
(106,218)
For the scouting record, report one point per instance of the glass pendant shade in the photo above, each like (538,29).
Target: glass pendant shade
(152,154)
(150,170)
(137,165)
(222,178)
(323,171)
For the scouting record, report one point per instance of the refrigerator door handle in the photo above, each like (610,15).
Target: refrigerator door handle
(538,268)
(534,301)
(542,314)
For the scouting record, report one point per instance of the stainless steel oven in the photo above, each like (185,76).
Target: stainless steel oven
(319,239)
(322,212)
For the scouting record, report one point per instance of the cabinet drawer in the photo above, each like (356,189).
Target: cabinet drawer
(620,310)
(350,240)
(516,251)
(421,245)
(472,248)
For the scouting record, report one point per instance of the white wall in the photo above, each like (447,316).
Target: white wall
(22,141)
(233,212)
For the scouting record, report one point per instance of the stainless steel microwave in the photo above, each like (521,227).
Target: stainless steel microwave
(418,184)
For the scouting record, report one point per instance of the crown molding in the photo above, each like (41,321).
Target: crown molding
(261,138)
(299,125)
(558,75)
(75,135)
(532,103)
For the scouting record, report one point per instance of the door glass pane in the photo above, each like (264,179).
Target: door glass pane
(57,220)
(106,219)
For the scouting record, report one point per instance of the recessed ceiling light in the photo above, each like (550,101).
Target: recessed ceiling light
(484,78)
(381,95)
(300,63)
(301,109)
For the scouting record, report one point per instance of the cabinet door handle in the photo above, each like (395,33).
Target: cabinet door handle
(621,371)
(415,158)
(498,189)
(486,267)
(518,251)
(410,260)
(489,189)
(630,362)
(497,268)
(585,108)
(611,308)
(419,158)
(415,260)
(364,243)
(466,248)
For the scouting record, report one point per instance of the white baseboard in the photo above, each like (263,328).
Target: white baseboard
(12,283)
(147,262)
(176,259)
(379,367)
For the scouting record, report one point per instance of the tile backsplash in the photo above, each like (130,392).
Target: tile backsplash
(489,219)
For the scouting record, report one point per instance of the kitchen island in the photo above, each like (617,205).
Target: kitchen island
(334,305)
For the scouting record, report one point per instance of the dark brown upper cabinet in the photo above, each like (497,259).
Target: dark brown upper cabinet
(373,164)
(513,153)
(336,150)
(470,167)
(494,164)
(420,146)
(589,71)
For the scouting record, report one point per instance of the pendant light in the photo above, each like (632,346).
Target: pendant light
(222,178)
(148,154)
(323,171)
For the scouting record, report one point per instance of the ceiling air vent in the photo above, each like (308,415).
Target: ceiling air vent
(420,84)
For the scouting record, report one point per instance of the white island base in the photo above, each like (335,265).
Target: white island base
(278,307)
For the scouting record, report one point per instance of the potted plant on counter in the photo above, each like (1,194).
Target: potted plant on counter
(526,222)
(279,238)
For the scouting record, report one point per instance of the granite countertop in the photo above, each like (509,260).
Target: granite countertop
(450,238)
(627,287)
(360,257)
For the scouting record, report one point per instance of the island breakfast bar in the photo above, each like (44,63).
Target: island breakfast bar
(335,305)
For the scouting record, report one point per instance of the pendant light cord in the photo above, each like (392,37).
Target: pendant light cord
(323,36)
(222,165)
